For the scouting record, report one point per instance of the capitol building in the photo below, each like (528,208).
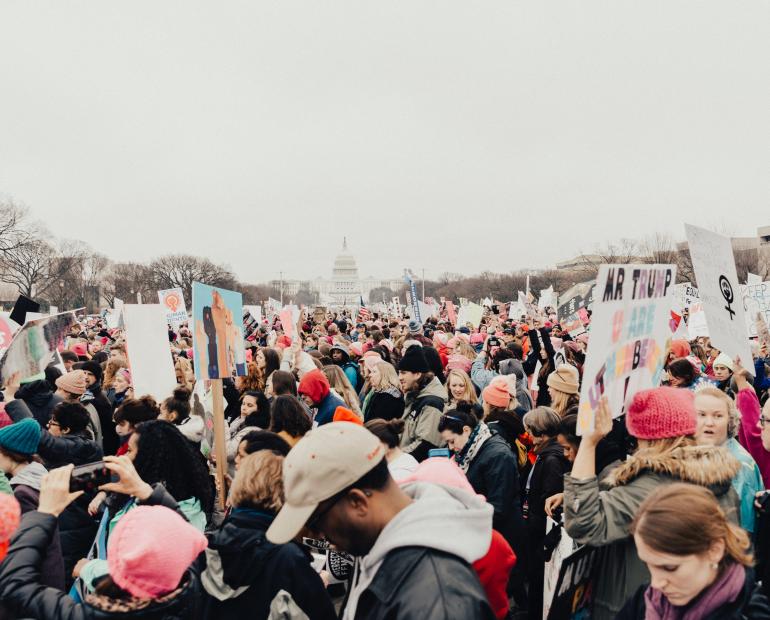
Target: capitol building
(345,287)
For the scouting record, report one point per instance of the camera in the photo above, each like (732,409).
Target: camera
(89,477)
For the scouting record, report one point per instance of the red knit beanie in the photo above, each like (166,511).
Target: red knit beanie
(661,412)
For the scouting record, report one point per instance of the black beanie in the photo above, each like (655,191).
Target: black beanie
(414,360)
(94,368)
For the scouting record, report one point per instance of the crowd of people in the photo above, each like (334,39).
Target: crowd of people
(383,468)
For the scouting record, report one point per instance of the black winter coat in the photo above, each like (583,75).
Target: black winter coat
(384,405)
(547,479)
(420,583)
(110,440)
(239,556)
(22,592)
(751,604)
(38,398)
(76,527)
(494,473)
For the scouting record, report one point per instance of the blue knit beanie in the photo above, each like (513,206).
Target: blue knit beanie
(21,437)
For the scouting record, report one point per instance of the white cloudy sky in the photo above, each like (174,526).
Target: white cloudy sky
(446,135)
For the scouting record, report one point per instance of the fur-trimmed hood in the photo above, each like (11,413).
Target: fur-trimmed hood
(708,466)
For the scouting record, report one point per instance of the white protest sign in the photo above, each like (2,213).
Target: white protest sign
(683,296)
(629,335)
(172,300)
(756,298)
(752,278)
(697,326)
(152,368)
(714,265)
(255,312)
(547,298)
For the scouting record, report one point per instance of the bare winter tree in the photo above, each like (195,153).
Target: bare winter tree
(15,228)
(182,270)
(124,280)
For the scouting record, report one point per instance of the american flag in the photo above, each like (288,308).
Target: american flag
(363,312)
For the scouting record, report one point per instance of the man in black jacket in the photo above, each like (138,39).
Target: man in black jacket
(415,545)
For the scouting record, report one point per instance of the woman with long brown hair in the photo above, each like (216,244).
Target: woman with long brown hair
(698,561)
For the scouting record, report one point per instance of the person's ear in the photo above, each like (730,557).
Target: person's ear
(716,552)
(359,501)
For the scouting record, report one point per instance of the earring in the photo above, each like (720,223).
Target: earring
(714,565)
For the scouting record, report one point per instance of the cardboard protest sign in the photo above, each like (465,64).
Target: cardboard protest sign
(756,299)
(714,265)
(33,346)
(574,592)
(22,306)
(217,332)
(152,368)
(629,336)
(172,300)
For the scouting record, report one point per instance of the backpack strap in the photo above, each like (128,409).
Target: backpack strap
(426,401)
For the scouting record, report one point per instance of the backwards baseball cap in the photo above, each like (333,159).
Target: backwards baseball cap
(324,462)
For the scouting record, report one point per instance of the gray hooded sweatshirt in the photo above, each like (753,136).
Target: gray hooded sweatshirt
(442,518)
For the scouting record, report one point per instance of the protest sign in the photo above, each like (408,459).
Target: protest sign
(22,306)
(152,368)
(451,313)
(172,300)
(629,336)
(413,295)
(217,332)
(714,265)
(547,298)
(573,325)
(697,326)
(573,299)
(683,296)
(756,299)
(763,334)
(752,278)
(563,549)
(397,307)
(574,592)
(289,317)
(33,346)
(7,329)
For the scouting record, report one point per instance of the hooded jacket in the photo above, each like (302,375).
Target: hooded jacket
(315,385)
(386,404)
(26,490)
(244,575)
(421,422)
(40,399)
(523,397)
(419,567)
(601,518)
(21,588)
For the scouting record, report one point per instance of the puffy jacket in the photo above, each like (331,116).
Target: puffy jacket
(385,404)
(22,592)
(421,420)
(751,603)
(244,575)
(601,518)
(39,398)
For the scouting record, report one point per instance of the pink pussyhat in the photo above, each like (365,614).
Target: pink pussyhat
(150,549)
(439,470)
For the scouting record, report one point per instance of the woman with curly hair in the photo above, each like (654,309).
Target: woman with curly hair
(253,381)
(161,455)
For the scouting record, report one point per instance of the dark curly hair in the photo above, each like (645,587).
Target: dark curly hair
(260,417)
(136,410)
(289,415)
(165,455)
(72,416)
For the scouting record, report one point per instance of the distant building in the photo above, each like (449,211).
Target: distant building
(344,288)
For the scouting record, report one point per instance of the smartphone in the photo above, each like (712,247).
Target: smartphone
(493,342)
(89,477)
(439,452)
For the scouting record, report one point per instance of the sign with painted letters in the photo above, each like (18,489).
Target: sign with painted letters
(756,299)
(629,335)
(720,292)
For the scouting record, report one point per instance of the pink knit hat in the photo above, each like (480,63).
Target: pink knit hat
(371,359)
(356,348)
(73,382)
(10,514)
(477,338)
(439,470)
(458,362)
(661,412)
(496,394)
(150,549)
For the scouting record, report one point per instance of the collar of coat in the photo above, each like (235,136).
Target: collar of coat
(703,465)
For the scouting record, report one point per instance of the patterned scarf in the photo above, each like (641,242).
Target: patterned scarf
(476,439)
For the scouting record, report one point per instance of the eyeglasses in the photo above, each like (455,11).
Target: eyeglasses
(315,519)
(52,423)
(763,420)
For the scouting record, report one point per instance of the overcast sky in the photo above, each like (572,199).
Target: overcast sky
(449,135)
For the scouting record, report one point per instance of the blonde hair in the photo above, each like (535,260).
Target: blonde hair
(388,377)
(686,519)
(339,382)
(463,348)
(561,401)
(259,482)
(183,364)
(469,395)
(733,417)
